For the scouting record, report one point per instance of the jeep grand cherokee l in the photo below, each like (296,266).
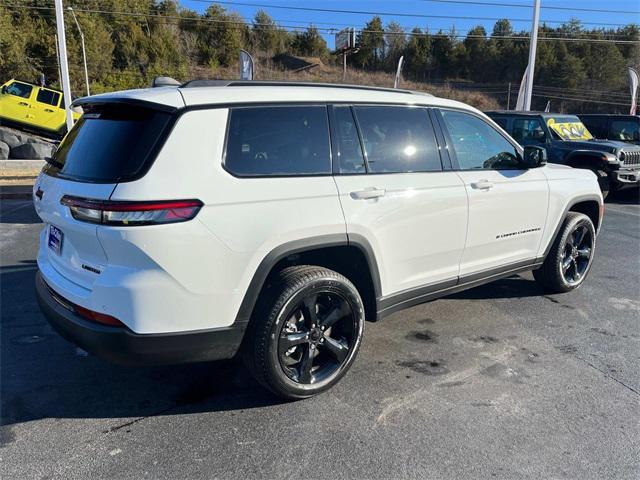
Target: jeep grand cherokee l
(197,222)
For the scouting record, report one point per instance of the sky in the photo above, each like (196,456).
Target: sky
(411,13)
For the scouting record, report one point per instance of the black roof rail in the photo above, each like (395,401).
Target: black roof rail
(270,83)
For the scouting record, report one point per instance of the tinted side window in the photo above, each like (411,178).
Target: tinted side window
(625,130)
(278,141)
(48,96)
(347,140)
(477,145)
(19,89)
(398,139)
(528,130)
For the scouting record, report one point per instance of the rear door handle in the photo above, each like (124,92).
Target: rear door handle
(368,193)
(482,185)
(48,110)
(24,104)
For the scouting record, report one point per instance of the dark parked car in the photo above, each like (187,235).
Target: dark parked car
(625,128)
(569,142)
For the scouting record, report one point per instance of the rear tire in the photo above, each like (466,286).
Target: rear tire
(569,260)
(305,332)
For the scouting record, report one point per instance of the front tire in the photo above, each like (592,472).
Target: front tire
(569,260)
(305,332)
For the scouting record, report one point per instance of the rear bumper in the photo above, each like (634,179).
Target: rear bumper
(121,345)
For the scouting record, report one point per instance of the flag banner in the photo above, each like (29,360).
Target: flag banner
(398,73)
(521,92)
(633,84)
(246,66)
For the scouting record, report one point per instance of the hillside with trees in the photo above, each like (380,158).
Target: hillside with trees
(129,42)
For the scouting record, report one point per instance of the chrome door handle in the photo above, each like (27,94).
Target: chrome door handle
(482,185)
(368,193)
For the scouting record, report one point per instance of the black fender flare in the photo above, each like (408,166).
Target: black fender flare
(594,157)
(567,209)
(299,246)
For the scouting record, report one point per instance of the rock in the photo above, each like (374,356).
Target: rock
(4,151)
(10,137)
(32,151)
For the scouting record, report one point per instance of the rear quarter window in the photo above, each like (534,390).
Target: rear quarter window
(48,96)
(110,143)
(278,141)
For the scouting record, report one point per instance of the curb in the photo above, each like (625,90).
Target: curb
(8,165)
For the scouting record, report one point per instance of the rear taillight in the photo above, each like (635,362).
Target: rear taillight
(123,213)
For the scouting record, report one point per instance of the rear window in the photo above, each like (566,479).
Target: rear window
(278,141)
(49,97)
(110,143)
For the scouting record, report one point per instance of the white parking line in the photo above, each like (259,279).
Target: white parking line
(8,212)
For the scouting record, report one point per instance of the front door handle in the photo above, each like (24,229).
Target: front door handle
(482,185)
(48,110)
(368,193)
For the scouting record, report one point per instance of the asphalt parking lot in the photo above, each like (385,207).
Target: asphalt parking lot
(497,382)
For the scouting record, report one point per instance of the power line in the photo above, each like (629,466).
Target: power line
(395,14)
(520,5)
(294,28)
(581,100)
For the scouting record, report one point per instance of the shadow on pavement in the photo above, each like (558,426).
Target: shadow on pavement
(511,287)
(43,376)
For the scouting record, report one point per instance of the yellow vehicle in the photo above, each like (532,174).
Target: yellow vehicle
(33,107)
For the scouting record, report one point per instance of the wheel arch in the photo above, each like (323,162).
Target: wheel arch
(350,256)
(590,205)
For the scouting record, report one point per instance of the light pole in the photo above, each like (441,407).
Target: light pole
(64,67)
(532,55)
(84,53)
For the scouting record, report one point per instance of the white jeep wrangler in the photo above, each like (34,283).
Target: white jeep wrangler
(271,219)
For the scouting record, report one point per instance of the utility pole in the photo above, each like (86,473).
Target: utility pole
(84,53)
(64,66)
(532,55)
(344,66)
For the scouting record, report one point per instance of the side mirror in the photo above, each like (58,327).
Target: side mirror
(534,156)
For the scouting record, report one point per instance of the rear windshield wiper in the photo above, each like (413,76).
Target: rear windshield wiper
(52,161)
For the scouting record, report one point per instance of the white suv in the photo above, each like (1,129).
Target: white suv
(196,222)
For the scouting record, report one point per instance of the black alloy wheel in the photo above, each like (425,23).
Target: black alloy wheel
(576,256)
(316,338)
(306,331)
(570,257)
